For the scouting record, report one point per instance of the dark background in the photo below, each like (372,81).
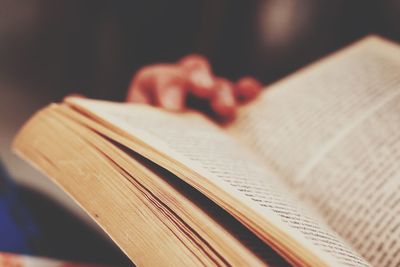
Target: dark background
(51,48)
(94,46)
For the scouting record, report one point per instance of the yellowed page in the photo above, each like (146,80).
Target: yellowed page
(217,159)
(67,158)
(330,130)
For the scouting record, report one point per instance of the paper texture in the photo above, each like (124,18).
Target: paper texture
(332,132)
(356,187)
(209,151)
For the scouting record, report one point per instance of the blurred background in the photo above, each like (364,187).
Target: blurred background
(49,49)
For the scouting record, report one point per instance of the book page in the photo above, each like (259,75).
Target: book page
(214,158)
(316,128)
(356,186)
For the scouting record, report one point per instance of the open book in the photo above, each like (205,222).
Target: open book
(307,175)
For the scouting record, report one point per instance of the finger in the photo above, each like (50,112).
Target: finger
(171,97)
(247,88)
(138,91)
(194,61)
(199,75)
(223,102)
(138,95)
(201,83)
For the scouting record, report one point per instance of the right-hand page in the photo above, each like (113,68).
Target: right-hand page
(332,131)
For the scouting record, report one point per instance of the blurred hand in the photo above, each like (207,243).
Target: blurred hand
(170,85)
